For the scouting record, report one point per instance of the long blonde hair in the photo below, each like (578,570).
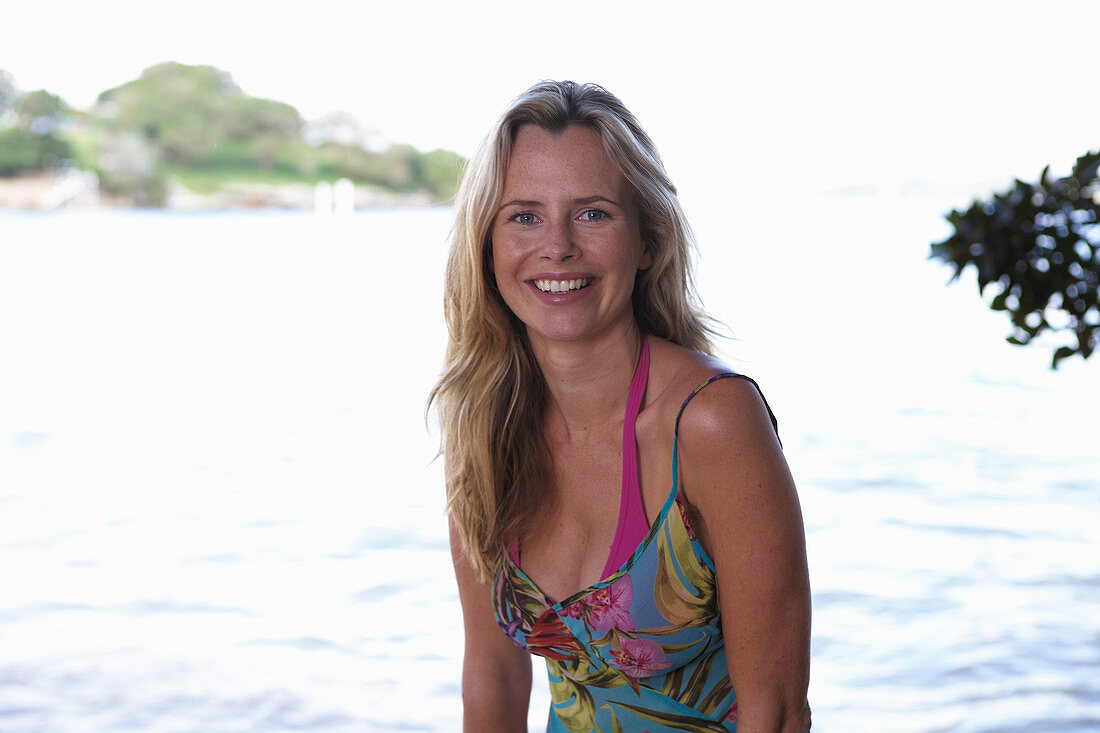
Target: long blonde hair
(492,395)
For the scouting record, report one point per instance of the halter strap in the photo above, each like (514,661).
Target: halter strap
(632,523)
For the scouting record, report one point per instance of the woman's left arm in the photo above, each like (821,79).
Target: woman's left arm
(735,477)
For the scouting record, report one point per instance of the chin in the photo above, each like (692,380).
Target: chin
(565,332)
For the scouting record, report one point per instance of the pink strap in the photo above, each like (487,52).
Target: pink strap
(632,525)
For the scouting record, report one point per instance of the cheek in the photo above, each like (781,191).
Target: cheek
(505,254)
(502,265)
(500,257)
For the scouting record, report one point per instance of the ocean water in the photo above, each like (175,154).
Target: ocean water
(219,508)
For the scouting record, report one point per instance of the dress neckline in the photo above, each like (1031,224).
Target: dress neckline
(607,578)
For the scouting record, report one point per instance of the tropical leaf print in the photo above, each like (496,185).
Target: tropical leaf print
(699,680)
(683,606)
(551,638)
(616,726)
(675,721)
(716,697)
(515,597)
(670,687)
(691,566)
(572,702)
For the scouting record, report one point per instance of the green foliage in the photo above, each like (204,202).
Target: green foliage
(40,111)
(189,112)
(1039,243)
(29,143)
(440,171)
(40,103)
(84,147)
(22,150)
(400,168)
(195,124)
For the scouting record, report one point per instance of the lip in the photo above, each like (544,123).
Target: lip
(561,276)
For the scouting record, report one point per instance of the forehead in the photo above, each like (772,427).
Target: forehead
(542,160)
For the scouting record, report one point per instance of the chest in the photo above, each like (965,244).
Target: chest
(568,545)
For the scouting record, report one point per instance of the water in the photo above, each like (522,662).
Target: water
(219,509)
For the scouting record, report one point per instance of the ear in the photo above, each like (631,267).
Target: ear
(646,260)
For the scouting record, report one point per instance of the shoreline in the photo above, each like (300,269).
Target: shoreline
(80,189)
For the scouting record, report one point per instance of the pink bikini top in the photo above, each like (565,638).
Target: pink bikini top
(632,526)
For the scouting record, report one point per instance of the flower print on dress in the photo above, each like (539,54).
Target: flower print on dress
(605,608)
(640,658)
(577,609)
(609,607)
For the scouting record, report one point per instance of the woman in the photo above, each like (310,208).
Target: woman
(649,547)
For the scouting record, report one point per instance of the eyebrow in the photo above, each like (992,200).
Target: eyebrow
(585,200)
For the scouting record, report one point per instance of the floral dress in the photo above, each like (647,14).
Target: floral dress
(642,649)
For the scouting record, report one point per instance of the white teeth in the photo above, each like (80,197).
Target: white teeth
(561,286)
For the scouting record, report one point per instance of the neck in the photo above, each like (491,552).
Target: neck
(588,380)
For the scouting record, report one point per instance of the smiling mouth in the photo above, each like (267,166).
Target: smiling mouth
(562,286)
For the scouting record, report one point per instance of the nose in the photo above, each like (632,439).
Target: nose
(560,244)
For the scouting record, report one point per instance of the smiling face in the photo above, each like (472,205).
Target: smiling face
(566,241)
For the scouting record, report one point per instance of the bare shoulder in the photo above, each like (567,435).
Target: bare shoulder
(728,444)
(730,411)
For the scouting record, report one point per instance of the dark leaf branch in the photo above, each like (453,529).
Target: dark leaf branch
(1038,242)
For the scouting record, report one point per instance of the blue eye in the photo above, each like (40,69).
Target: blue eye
(524,217)
(594,215)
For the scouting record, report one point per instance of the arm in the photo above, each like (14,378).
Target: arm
(496,674)
(736,479)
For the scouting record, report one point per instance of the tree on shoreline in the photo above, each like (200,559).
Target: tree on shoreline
(198,116)
(29,138)
(1040,242)
(199,119)
(194,124)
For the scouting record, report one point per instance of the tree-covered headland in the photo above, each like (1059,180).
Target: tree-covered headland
(1039,243)
(193,126)
(29,134)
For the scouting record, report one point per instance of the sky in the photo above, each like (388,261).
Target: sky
(831,96)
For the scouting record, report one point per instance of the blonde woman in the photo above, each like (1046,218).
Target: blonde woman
(619,502)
